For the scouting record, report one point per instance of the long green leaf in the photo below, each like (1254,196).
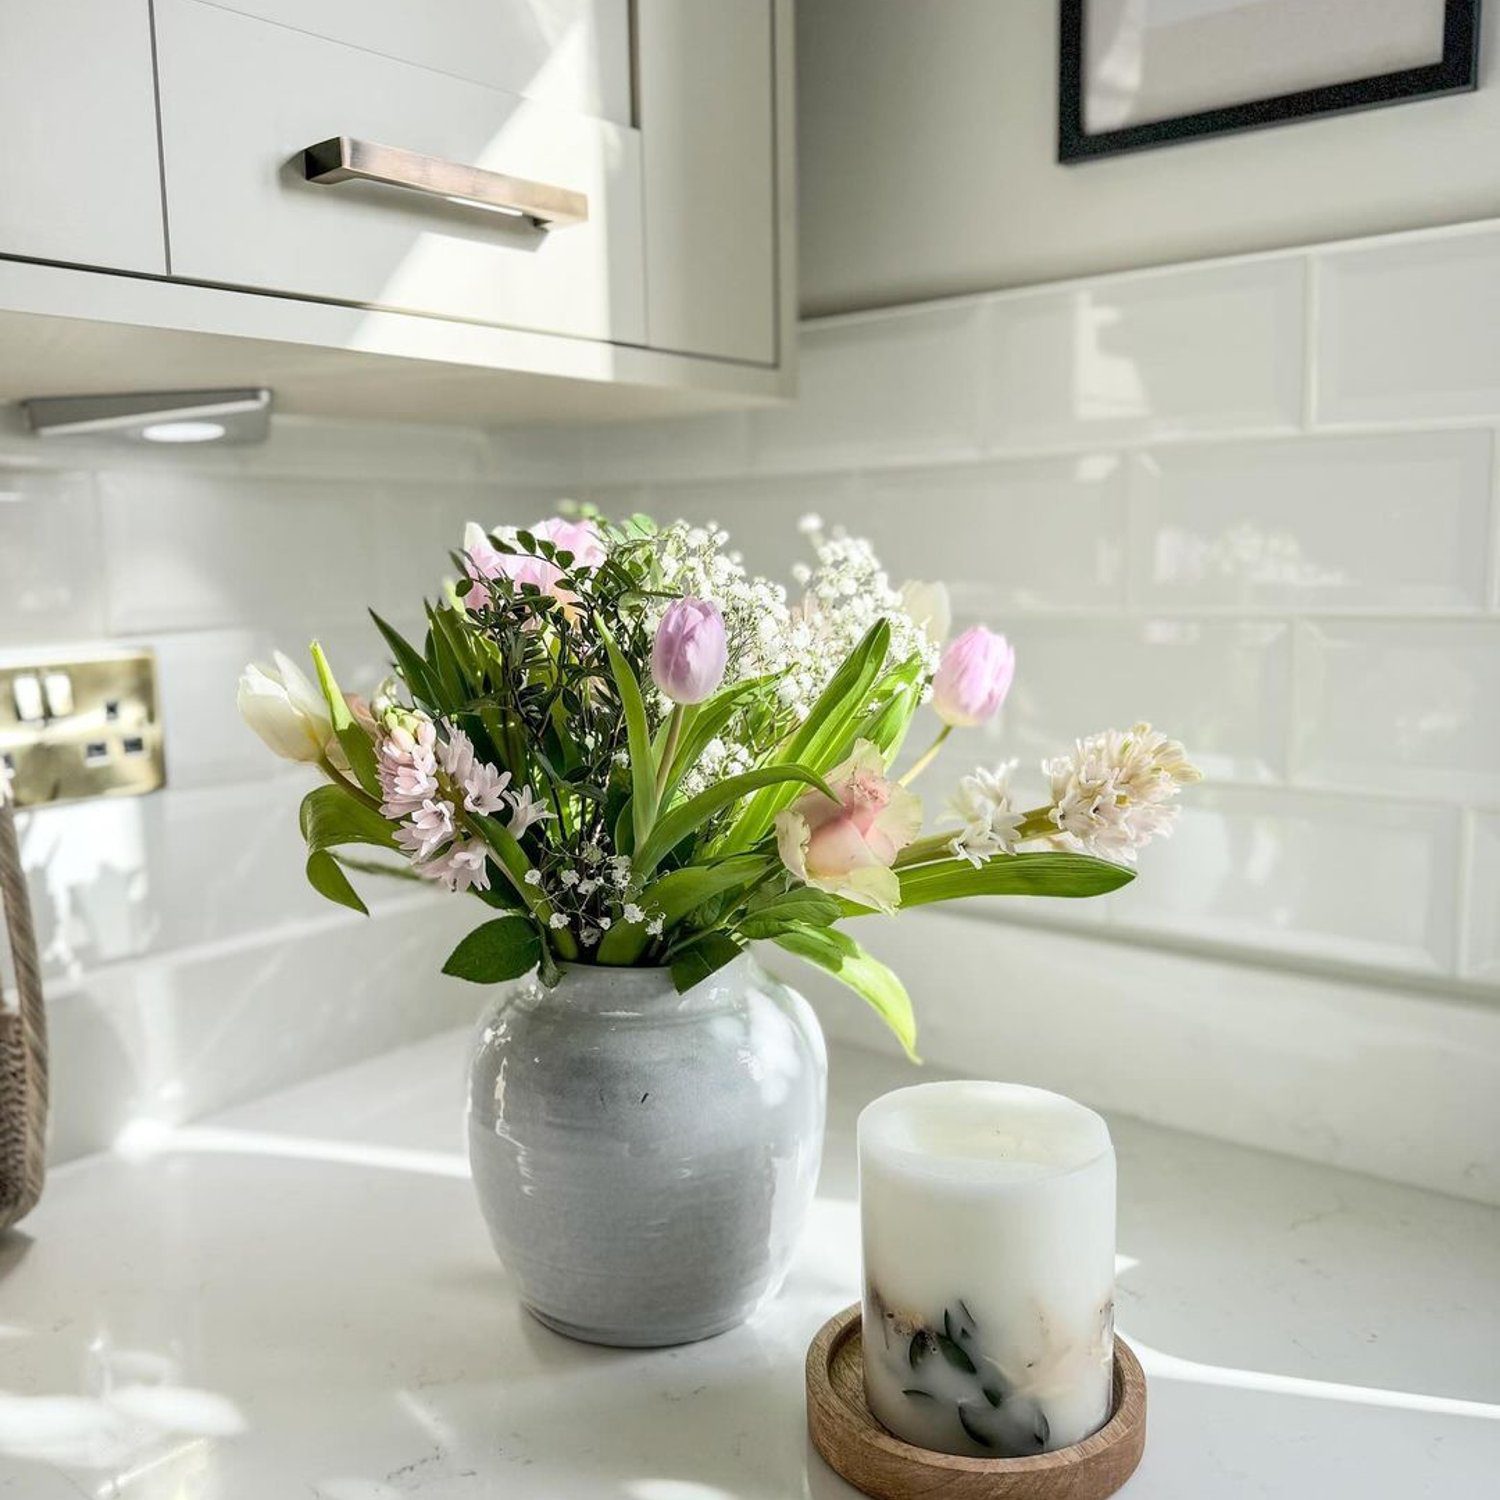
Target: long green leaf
(637,738)
(354,742)
(496,951)
(696,811)
(825,735)
(1039,874)
(412,665)
(838,954)
(802,906)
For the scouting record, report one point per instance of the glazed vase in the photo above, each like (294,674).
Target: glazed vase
(645,1159)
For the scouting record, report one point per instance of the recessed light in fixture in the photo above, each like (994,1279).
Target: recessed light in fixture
(183,432)
(232,416)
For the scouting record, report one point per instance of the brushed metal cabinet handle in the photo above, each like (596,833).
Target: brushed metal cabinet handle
(344,159)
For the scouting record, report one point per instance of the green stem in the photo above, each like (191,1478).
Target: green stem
(927,757)
(338,778)
(669,749)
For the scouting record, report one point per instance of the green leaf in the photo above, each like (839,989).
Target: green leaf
(327,879)
(696,811)
(1039,874)
(801,907)
(495,951)
(354,742)
(955,1355)
(706,956)
(411,663)
(838,954)
(331,816)
(826,734)
(673,897)
(637,738)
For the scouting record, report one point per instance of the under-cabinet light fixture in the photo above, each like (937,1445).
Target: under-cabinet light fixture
(220,416)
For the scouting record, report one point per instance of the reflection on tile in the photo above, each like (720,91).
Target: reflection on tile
(671,448)
(1222,688)
(1397,520)
(1037,534)
(894,386)
(1407,328)
(1403,706)
(120,878)
(1214,348)
(197,1031)
(1482,919)
(193,551)
(1346,879)
(51,585)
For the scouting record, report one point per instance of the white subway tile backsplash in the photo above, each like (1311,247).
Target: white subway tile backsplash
(1481,959)
(1198,350)
(677,448)
(1037,534)
(1347,880)
(120,878)
(1407,706)
(1221,687)
(1407,328)
(900,387)
(51,580)
(190,551)
(1396,521)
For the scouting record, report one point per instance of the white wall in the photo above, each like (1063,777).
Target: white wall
(927,163)
(187,962)
(1253,501)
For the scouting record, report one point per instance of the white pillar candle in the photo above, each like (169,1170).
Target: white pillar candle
(988,1215)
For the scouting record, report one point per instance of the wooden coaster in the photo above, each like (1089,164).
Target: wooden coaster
(882,1465)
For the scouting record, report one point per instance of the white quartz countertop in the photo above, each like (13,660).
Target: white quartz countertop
(297,1298)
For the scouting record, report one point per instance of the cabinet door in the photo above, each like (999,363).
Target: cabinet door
(707,79)
(79,176)
(243,97)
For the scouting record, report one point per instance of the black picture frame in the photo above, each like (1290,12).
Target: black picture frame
(1456,73)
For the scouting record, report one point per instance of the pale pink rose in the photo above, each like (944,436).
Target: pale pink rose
(484,561)
(689,652)
(847,847)
(973,678)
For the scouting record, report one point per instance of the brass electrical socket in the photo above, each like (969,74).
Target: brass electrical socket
(80,726)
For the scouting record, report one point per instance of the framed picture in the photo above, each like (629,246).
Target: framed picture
(1140,73)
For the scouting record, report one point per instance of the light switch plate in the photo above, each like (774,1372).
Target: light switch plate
(109,743)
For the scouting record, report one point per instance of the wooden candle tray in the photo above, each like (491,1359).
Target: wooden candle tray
(882,1465)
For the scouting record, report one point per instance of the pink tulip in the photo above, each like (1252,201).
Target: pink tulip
(690,651)
(973,678)
(847,847)
(485,561)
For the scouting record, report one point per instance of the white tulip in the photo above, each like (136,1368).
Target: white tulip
(928,606)
(285,709)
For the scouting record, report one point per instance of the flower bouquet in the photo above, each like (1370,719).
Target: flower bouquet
(640,759)
(635,754)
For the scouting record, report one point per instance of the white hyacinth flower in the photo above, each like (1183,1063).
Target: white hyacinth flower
(981,806)
(1112,795)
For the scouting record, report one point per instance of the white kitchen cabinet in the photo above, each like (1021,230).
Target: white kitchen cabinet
(79,180)
(662,128)
(241,100)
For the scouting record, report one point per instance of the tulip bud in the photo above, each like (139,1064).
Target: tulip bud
(973,678)
(285,710)
(690,651)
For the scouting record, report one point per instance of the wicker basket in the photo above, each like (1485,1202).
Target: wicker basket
(23,1042)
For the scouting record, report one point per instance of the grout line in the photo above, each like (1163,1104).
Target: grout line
(1463,891)
(1312,311)
(1494,549)
(1127,276)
